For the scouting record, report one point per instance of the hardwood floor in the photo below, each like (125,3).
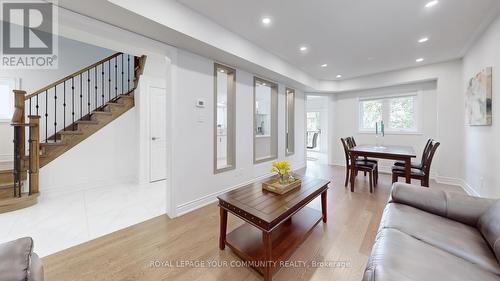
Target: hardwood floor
(128,254)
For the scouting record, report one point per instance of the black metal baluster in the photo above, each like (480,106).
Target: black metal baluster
(37,105)
(73,102)
(17,159)
(128,73)
(64,106)
(55,112)
(88,93)
(95,87)
(81,96)
(122,75)
(116,77)
(30,163)
(46,115)
(102,84)
(109,80)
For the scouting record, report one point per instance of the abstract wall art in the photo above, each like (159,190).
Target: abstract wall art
(478,99)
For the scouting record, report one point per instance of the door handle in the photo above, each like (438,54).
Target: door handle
(154,138)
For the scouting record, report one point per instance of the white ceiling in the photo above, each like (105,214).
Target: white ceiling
(354,37)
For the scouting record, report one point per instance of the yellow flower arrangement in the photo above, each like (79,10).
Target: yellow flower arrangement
(281,168)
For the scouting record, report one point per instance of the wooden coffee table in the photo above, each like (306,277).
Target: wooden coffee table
(275,224)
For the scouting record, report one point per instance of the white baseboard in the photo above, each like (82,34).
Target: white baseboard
(211,198)
(458,182)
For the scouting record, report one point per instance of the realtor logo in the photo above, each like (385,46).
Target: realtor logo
(29,38)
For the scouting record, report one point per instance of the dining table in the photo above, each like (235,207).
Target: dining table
(390,152)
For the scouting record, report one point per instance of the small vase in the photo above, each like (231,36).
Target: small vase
(282,180)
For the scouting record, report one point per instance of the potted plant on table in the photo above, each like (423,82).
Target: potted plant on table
(281,168)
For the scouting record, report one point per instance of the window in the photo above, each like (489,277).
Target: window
(224,121)
(399,113)
(265,120)
(7,85)
(290,121)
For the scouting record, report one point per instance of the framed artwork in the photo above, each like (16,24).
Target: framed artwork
(478,99)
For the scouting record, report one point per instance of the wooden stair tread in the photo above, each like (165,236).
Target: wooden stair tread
(6,185)
(126,96)
(102,112)
(70,132)
(115,104)
(57,143)
(87,122)
(16,203)
(6,171)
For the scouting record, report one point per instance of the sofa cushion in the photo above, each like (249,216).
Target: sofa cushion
(397,256)
(489,225)
(15,259)
(456,238)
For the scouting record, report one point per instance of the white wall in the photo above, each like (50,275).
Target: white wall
(73,56)
(108,157)
(448,129)
(482,152)
(193,179)
(346,119)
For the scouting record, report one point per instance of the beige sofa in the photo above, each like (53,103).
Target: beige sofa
(433,235)
(18,262)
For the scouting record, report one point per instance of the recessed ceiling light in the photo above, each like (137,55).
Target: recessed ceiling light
(266,20)
(419,60)
(339,76)
(423,40)
(263,84)
(431,3)
(222,70)
(303,48)
(324,65)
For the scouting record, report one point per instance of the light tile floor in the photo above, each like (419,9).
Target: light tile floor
(60,221)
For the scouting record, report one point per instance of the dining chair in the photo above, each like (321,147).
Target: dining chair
(352,143)
(419,174)
(417,165)
(314,141)
(358,165)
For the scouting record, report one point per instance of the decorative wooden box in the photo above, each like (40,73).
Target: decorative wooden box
(274,185)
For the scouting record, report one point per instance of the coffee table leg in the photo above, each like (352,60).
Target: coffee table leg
(323,205)
(268,246)
(223,227)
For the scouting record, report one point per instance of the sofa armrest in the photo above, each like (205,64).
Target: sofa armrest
(455,206)
(35,272)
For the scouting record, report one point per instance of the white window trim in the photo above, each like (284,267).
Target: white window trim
(385,113)
(16,82)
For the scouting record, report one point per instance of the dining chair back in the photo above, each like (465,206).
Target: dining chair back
(314,141)
(426,165)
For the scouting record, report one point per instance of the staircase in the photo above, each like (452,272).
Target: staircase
(60,116)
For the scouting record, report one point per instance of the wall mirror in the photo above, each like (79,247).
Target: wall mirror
(290,121)
(265,120)
(224,121)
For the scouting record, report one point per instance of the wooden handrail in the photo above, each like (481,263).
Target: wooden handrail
(71,76)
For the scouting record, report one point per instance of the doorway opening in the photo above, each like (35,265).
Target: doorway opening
(317,130)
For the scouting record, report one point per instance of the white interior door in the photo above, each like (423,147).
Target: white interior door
(158,133)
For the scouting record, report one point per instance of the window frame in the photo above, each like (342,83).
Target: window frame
(231,119)
(417,112)
(16,85)
(274,120)
(289,122)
